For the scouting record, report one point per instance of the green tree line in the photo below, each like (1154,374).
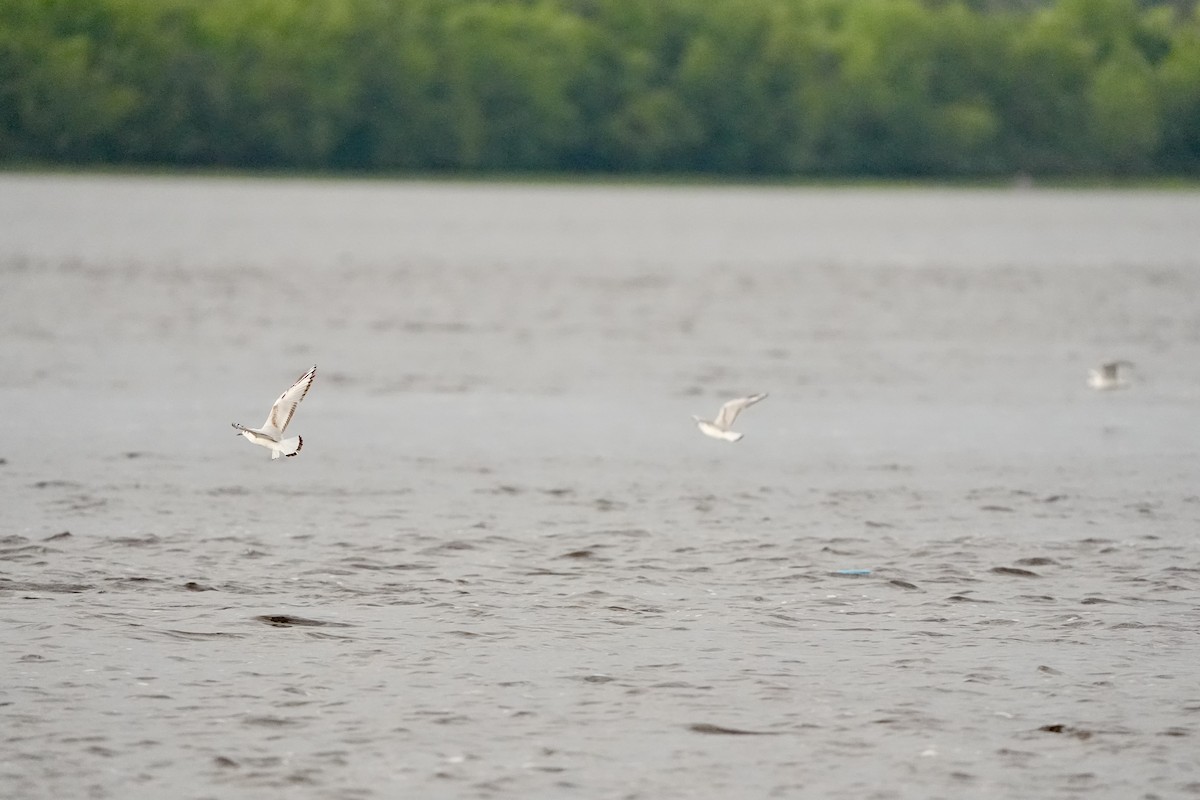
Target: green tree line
(737,87)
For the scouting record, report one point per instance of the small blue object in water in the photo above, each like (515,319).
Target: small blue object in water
(853,572)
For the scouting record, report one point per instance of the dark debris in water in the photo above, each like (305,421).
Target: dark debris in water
(578,554)
(58,536)
(136,541)
(450,546)
(642,610)
(903,584)
(1017,571)
(706,727)
(192,586)
(597,678)
(962,598)
(270,722)
(289,621)
(1078,733)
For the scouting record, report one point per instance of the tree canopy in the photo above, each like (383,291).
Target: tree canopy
(723,87)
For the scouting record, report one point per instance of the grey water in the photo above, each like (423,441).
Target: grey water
(506,564)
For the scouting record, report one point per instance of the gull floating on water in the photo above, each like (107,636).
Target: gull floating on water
(719,427)
(1108,376)
(271,433)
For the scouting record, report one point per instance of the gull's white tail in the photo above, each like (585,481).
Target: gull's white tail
(288,447)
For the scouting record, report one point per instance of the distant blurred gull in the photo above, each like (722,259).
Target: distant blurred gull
(719,427)
(277,421)
(1108,376)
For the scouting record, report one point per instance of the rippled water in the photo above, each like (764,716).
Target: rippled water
(507,565)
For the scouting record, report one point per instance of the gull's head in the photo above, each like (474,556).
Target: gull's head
(697,419)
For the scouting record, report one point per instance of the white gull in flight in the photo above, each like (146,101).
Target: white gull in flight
(719,427)
(270,435)
(1108,376)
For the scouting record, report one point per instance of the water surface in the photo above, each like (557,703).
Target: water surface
(505,563)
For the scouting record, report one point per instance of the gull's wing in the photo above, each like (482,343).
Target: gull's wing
(285,406)
(730,410)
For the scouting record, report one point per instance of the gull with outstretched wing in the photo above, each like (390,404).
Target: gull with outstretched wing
(1109,375)
(270,435)
(719,428)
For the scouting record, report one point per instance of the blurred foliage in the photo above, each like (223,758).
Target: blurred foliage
(744,87)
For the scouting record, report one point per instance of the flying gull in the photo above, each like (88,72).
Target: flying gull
(719,427)
(1108,376)
(271,433)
